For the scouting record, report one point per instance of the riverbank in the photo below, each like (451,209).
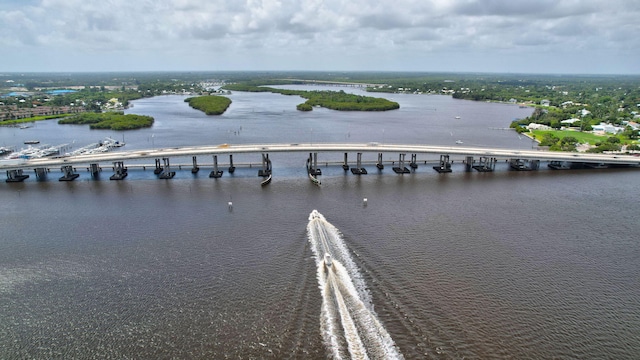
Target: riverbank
(33,119)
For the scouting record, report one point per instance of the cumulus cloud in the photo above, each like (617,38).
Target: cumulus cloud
(163,33)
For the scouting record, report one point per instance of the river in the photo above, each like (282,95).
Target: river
(540,264)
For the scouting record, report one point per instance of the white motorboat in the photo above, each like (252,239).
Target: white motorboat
(327,260)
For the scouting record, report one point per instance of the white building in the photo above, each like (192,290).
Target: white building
(569,121)
(607,128)
(534,126)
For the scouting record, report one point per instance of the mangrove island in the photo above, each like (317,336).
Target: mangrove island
(334,100)
(113,120)
(209,104)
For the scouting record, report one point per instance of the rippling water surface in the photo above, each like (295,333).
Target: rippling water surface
(462,265)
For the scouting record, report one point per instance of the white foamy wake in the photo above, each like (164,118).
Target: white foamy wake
(349,324)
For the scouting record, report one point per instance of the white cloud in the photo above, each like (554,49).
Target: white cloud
(304,34)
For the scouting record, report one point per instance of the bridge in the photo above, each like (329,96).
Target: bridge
(478,158)
(336,83)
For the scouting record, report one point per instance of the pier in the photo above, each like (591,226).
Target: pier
(474,158)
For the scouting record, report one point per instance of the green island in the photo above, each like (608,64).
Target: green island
(115,120)
(209,104)
(334,100)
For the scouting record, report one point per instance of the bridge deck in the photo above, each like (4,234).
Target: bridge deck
(322,147)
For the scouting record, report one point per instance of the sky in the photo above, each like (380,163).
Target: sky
(503,36)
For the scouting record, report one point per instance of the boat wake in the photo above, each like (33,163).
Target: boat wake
(349,325)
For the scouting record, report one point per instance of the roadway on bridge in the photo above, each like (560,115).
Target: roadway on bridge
(322,147)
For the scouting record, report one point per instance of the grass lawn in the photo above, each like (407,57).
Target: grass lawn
(583,137)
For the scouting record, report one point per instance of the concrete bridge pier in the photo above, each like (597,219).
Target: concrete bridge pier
(359,170)
(119,171)
(69,173)
(401,169)
(445,165)
(379,164)
(313,164)
(195,168)
(158,168)
(414,161)
(231,167)
(518,164)
(166,172)
(41,173)
(485,164)
(16,176)
(559,165)
(534,164)
(468,163)
(94,170)
(345,164)
(215,173)
(266,166)
(524,165)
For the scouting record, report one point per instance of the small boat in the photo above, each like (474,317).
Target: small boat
(266,181)
(32,142)
(459,142)
(457,117)
(327,260)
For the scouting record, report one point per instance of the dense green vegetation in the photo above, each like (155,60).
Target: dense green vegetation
(210,104)
(304,107)
(110,120)
(34,118)
(335,100)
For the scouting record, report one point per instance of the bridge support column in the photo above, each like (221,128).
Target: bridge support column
(345,164)
(231,167)
(379,164)
(468,163)
(94,170)
(486,164)
(414,161)
(119,171)
(313,165)
(69,174)
(401,169)
(359,170)
(158,168)
(558,165)
(534,164)
(266,170)
(16,176)
(195,168)
(445,165)
(166,172)
(41,173)
(215,173)
(266,166)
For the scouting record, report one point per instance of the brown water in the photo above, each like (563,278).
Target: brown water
(476,265)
